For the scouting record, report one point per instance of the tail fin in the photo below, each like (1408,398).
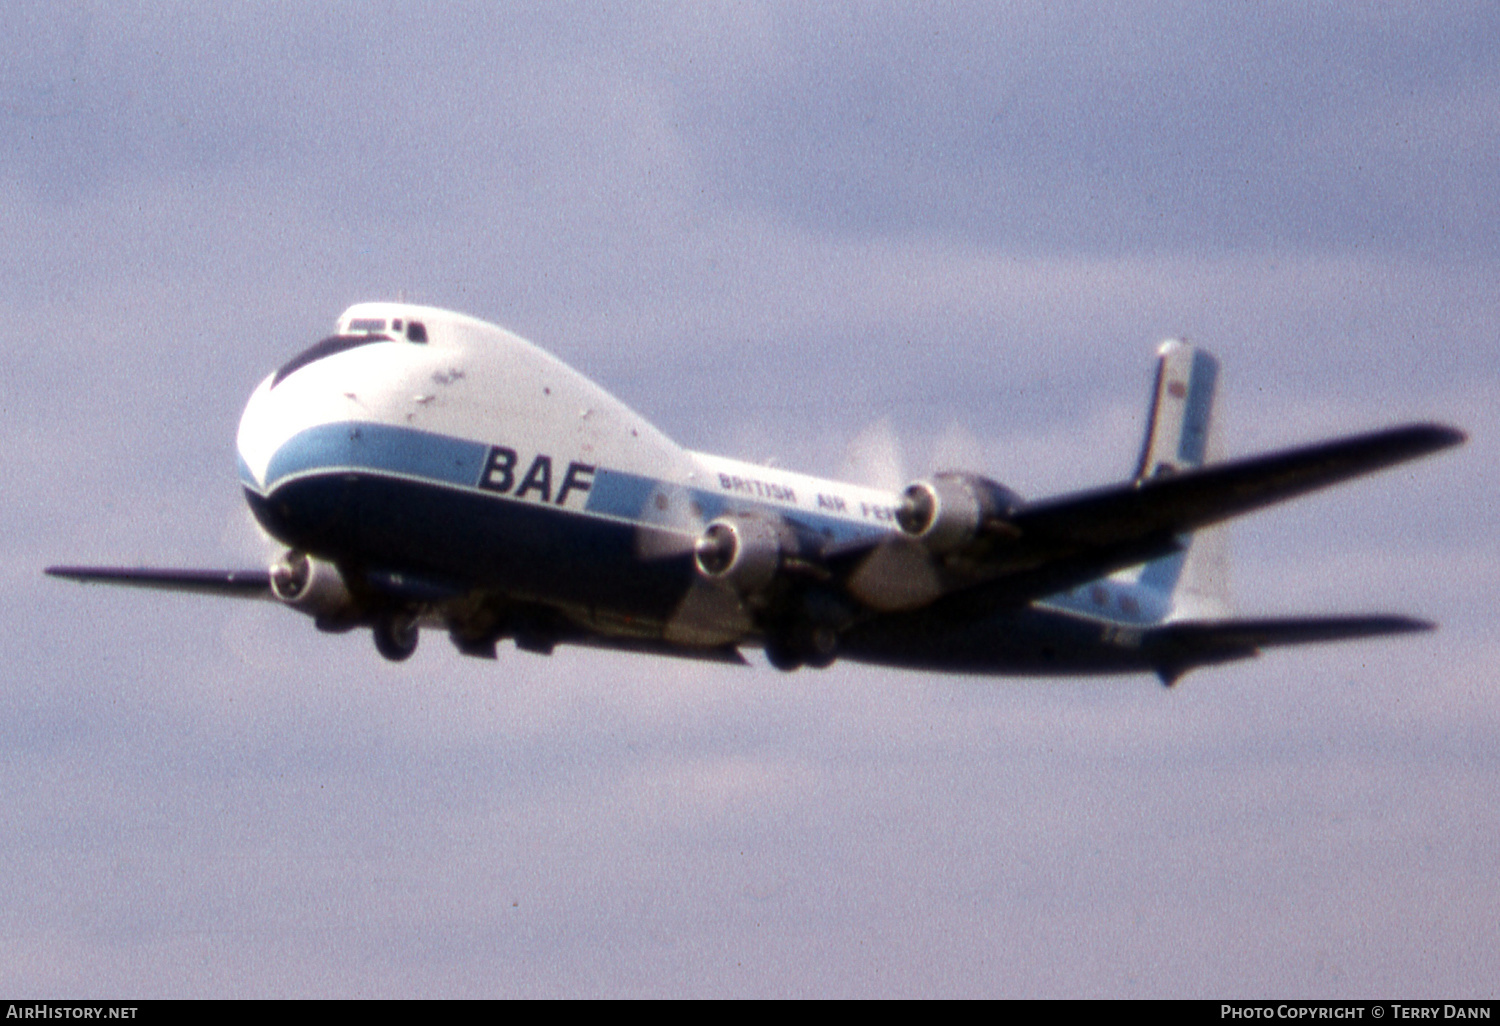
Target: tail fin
(1181,410)
(1180,436)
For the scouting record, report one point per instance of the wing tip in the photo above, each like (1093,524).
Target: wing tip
(1439,436)
(71,573)
(1409,625)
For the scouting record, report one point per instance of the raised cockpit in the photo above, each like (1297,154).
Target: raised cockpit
(354,332)
(415,331)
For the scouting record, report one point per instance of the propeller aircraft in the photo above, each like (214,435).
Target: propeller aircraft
(426,469)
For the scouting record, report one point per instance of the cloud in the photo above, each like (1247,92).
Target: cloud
(1112,129)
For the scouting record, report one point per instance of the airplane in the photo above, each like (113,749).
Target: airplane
(427,469)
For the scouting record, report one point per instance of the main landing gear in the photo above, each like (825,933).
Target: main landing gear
(802,645)
(396,636)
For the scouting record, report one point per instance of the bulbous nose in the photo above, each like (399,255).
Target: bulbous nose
(256,439)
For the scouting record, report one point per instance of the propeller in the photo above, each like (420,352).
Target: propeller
(901,573)
(874,458)
(711,612)
(673,523)
(715,549)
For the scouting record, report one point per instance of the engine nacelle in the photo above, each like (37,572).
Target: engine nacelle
(949,511)
(742,551)
(312,586)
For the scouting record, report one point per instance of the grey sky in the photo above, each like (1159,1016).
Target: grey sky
(769,228)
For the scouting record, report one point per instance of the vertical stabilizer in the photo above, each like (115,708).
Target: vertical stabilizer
(1181,410)
(1180,436)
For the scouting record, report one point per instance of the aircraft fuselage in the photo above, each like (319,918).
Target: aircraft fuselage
(473,475)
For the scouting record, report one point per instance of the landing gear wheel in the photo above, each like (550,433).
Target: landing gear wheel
(783,655)
(817,647)
(396,636)
(822,647)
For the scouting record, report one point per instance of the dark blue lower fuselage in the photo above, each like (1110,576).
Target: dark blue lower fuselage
(468,541)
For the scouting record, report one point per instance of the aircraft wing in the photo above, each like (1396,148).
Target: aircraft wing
(1049,546)
(257,584)
(230,583)
(1179,647)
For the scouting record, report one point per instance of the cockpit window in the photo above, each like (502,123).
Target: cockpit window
(327,347)
(366,324)
(416,331)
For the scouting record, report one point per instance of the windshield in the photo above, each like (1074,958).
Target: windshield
(330,345)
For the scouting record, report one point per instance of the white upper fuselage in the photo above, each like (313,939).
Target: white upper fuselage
(476,381)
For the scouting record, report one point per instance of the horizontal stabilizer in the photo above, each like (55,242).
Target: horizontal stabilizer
(230,583)
(1179,647)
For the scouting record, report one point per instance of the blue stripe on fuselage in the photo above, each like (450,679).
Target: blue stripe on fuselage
(371,495)
(355,446)
(646,500)
(619,495)
(358,445)
(247,478)
(339,465)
